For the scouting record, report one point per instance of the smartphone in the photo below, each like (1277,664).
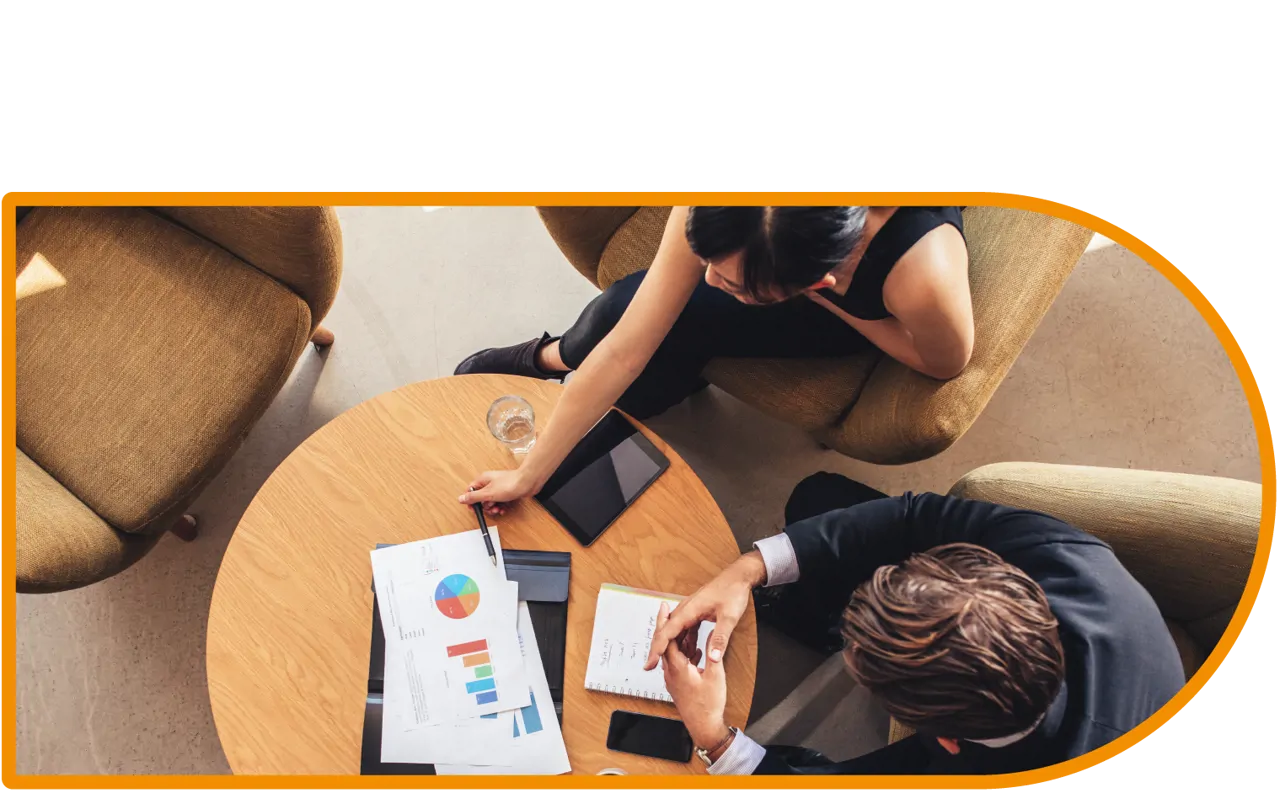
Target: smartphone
(651,736)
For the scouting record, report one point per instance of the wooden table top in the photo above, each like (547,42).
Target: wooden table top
(289,626)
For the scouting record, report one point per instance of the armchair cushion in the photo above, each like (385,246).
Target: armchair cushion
(60,542)
(141,375)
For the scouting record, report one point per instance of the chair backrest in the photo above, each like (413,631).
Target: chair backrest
(299,246)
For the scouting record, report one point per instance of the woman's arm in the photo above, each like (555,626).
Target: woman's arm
(611,367)
(927,292)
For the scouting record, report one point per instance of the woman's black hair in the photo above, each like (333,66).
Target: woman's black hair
(787,248)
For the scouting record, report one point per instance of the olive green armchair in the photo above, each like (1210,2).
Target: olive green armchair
(149,342)
(868,406)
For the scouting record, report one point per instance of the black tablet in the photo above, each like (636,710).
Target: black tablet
(607,471)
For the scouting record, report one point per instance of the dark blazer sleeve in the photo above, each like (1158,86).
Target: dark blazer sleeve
(908,756)
(842,549)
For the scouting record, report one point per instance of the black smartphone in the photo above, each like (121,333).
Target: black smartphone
(603,475)
(651,736)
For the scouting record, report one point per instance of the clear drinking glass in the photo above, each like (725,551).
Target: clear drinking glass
(511,421)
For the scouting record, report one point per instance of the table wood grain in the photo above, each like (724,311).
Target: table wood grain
(289,625)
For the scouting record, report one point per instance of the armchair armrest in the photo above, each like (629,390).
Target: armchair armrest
(583,232)
(1190,540)
(1018,262)
(299,246)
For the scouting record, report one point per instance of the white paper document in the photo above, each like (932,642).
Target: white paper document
(535,744)
(449,618)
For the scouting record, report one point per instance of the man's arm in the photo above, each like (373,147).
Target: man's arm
(842,549)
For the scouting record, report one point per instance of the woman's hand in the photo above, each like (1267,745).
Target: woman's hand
(699,694)
(723,599)
(495,489)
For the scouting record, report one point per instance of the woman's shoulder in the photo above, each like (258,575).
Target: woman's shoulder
(933,260)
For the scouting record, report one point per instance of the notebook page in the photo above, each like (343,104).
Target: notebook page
(626,619)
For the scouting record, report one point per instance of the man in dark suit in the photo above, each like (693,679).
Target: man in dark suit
(1006,638)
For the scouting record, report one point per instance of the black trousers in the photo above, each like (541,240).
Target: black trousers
(712,325)
(806,601)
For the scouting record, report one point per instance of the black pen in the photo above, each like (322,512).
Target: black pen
(484,530)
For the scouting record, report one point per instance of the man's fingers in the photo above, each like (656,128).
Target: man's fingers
(719,641)
(667,630)
(658,644)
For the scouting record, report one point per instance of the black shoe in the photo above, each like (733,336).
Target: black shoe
(521,359)
(818,632)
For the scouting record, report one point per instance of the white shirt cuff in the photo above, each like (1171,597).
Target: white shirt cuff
(741,758)
(780,562)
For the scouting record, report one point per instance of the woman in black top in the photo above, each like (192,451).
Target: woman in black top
(746,282)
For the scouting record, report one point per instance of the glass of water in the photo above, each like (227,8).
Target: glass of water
(511,421)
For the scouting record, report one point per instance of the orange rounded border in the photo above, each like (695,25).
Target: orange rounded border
(1147,253)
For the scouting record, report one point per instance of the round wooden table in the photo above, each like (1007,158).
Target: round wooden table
(289,626)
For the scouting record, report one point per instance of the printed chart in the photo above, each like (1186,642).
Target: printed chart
(530,716)
(457,596)
(475,659)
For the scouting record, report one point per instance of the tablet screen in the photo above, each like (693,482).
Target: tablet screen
(608,469)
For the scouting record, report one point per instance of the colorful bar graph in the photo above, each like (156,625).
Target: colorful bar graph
(475,655)
(468,648)
(480,685)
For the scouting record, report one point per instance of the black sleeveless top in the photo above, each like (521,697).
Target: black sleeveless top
(865,296)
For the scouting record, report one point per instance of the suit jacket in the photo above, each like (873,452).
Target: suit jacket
(1121,663)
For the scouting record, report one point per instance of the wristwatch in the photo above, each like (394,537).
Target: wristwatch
(705,754)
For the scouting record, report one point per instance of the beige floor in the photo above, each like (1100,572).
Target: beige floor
(1123,372)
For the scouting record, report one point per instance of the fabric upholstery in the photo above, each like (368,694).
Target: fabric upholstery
(61,544)
(1189,540)
(898,730)
(634,246)
(1189,649)
(299,246)
(583,232)
(1018,262)
(810,393)
(871,407)
(141,376)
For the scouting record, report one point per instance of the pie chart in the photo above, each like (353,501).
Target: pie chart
(457,596)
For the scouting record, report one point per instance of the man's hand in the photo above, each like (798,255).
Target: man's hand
(495,489)
(723,599)
(699,694)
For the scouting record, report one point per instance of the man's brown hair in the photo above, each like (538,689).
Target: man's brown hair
(955,643)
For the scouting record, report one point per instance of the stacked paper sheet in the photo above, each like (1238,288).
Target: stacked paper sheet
(464,688)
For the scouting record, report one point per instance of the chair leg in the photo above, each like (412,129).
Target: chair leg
(322,338)
(185,528)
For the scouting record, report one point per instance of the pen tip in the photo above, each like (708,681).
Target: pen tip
(494,560)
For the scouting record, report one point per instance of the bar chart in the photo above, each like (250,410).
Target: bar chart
(478,670)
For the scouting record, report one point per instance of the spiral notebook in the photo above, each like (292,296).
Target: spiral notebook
(626,619)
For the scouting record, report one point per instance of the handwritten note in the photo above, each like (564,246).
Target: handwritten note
(626,620)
